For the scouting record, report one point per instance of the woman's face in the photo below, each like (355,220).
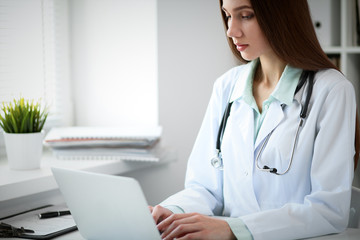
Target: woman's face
(244,29)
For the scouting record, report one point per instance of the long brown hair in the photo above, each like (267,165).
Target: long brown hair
(288,27)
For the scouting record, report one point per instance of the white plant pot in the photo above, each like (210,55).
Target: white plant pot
(24,150)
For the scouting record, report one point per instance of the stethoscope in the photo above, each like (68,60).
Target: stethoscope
(217,161)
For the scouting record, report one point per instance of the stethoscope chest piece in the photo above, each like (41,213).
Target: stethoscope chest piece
(217,161)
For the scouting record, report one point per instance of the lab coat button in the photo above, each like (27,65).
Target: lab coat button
(246,173)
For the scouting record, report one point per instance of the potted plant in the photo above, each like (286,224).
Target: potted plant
(23,121)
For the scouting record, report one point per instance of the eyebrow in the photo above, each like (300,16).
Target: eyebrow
(238,8)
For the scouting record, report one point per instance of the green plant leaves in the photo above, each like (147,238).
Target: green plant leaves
(22,116)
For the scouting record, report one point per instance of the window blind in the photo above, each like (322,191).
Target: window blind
(21,49)
(34,55)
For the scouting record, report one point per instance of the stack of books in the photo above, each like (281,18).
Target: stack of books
(98,143)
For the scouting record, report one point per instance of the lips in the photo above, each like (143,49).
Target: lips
(241,47)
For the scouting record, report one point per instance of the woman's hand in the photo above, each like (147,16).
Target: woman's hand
(159,213)
(194,226)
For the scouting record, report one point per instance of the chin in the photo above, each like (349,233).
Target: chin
(248,57)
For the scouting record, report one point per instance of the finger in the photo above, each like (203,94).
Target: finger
(163,225)
(174,221)
(156,213)
(160,213)
(181,231)
(151,208)
(166,222)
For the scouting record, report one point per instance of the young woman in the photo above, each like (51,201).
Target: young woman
(274,155)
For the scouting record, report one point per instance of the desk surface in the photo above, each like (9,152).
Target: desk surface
(18,183)
(349,234)
(15,184)
(24,190)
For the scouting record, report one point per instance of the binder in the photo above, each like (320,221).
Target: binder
(325,15)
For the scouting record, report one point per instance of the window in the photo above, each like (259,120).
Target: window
(34,55)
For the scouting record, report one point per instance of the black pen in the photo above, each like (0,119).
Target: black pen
(53,214)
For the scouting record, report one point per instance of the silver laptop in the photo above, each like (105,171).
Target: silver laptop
(106,207)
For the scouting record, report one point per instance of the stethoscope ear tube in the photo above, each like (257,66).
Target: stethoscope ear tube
(311,75)
(223,126)
(217,161)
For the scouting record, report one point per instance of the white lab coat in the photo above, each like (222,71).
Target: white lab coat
(313,198)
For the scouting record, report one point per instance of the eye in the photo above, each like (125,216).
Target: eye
(247,16)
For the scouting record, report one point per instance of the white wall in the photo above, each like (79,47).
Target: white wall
(193,52)
(114,62)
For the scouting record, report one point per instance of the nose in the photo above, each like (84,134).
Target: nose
(234,30)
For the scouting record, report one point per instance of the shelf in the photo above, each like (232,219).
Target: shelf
(333,50)
(339,50)
(351,50)
(334,22)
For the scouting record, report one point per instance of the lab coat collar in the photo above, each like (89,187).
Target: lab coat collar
(272,119)
(275,113)
(240,84)
(291,73)
(285,89)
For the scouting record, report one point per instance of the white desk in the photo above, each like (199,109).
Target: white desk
(349,234)
(19,187)
(15,185)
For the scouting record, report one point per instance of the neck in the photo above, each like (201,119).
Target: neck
(270,70)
